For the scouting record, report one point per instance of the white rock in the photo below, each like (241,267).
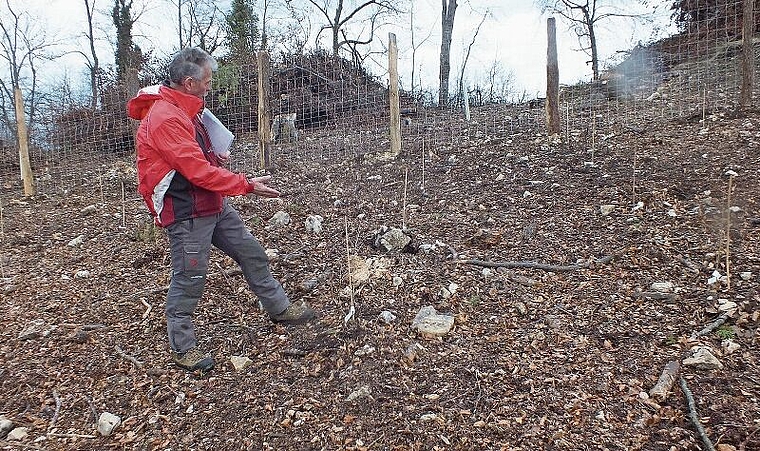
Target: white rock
(88,210)
(387,317)
(272,254)
(361,392)
(638,206)
(364,350)
(429,322)
(107,423)
(735,209)
(663,287)
(672,213)
(34,329)
(746,275)
(17,434)
(314,224)
(724,305)
(397,281)
(240,362)
(82,274)
(428,417)
(391,239)
(729,346)
(76,242)
(527,193)
(5,425)
(280,219)
(605,210)
(701,357)
(361,216)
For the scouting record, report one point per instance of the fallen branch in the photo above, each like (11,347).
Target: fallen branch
(20,445)
(148,308)
(662,388)
(70,435)
(536,265)
(694,417)
(57,409)
(712,326)
(126,356)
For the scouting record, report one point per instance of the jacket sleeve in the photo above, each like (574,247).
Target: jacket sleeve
(175,142)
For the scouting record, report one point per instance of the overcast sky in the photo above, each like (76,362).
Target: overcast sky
(514,33)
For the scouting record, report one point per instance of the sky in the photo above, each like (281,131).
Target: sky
(513,33)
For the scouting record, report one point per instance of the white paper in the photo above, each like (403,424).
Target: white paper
(221,138)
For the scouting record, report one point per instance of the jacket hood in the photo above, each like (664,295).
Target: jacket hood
(139,105)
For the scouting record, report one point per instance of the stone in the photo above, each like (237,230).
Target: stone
(702,358)
(5,425)
(34,329)
(240,362)
(361,392)
(107,423)
(746,275)
(724,447)
(391,239)
(314,224)
(605,210)
(364,350)
(387,317)
(82,274)
(729,346)
(17,434)
(76,242)
(411,352)
(663,287)
(397,281)
(278,220)
(88,210)
(429,323)
(724,305)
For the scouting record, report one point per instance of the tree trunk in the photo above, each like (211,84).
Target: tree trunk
(592,40)
(95,68)
(447,25)
(336,27)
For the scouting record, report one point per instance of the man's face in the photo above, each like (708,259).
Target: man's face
(199,87)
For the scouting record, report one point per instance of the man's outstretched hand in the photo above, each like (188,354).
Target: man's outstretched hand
(260,188)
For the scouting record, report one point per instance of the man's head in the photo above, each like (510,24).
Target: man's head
(190,71)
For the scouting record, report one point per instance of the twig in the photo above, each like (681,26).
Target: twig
(57,409)
(148,308)
(70,435)
(403,214)
(536,265)
(351,308)
(728,231)
(126,356)
(712,326)
(20,445)
(694,417)
(123,206)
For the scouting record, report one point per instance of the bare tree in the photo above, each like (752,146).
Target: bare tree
(415,45)
(448,10)
(23,43)
(467,55)
(584,16)
(93,64)
(343,13)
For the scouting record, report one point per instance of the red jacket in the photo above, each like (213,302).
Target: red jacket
(178,176)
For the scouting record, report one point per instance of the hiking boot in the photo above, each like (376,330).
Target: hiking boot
(297,313)
(193,360)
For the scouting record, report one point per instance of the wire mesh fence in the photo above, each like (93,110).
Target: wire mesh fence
(327,108)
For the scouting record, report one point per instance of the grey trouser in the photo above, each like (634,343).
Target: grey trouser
(190,242)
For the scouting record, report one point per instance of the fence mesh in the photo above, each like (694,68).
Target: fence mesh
(327,108)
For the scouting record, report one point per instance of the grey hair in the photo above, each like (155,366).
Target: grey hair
(189,62)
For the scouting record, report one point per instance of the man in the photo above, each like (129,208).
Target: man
(184,187)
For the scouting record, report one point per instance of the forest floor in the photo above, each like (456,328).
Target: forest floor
(559,359)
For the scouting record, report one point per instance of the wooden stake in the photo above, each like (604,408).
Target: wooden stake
(123,206)
(552,79)
(265,113)
(23,144)
(393,96)
(748,55)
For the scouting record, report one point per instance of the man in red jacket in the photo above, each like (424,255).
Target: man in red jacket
(184,186)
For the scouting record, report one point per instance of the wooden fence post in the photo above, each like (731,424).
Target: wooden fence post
(265,111)
(748,55)
(23,144)
(393,96)
(552,79)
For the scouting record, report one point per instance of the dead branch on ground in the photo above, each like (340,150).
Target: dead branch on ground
(537,265)
(694,417)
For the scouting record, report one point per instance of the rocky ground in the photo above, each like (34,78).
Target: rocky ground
(600,267)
